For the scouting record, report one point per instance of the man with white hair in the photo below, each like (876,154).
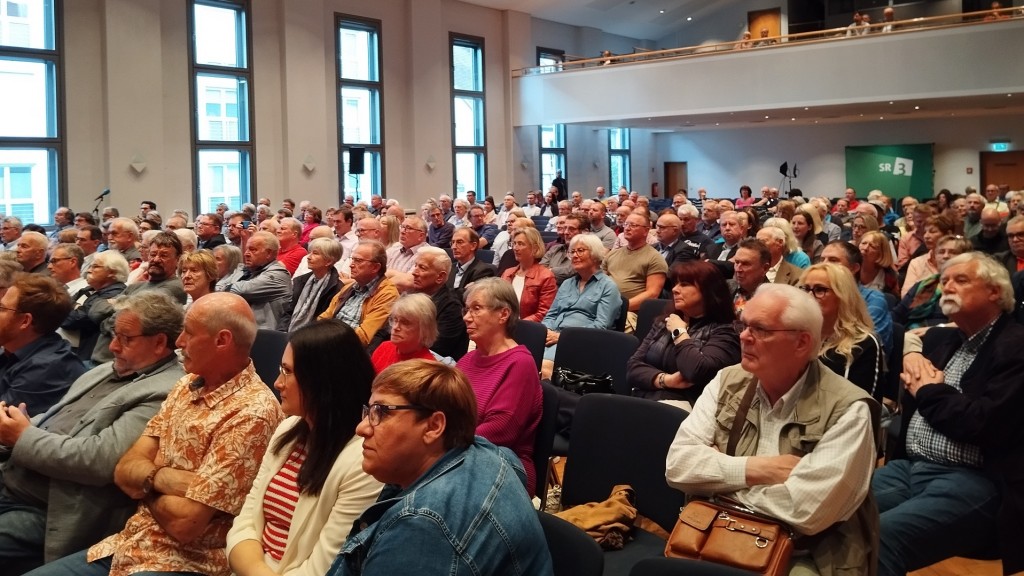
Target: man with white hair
(955,484)
(265,283)
(780,271)
(805,447)
(291,251)
(124,237)
(31,253)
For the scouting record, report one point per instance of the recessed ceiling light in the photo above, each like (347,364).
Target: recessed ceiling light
(689,19)
(917,107)
(793,119)
(890,101)
(1009,95)
(661,11)
(716,123)
(806,108)
(766,117)
(881,117)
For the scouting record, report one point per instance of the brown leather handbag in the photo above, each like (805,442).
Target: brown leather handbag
(726,532)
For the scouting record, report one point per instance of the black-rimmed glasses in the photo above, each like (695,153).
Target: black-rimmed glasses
(758,332)
(374,413)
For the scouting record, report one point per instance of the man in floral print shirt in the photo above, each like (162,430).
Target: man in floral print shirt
(196,459)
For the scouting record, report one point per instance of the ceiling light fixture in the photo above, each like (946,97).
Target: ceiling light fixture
(689,19)
(661,11)
(917,107)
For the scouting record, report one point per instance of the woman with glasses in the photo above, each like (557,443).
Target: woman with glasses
(452,503)
(198,273)
(588,299)
(311,485)
(877,270)
(413,324)
(534,285)
(861,224)
(926,265)
(312,292)
(693,341)
(919,307)
(849,346)
(106,276)
(503,373)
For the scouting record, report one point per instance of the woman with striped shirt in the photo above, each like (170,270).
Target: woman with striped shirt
(311,485)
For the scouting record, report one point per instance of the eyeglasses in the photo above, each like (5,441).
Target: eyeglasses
(817,290)
(632,225)
(665,226)
(60,259)
(405,228)
(124,339)
(358,260)
(285,372)
(1014,235)
(758,332)
(374,413)
(579,251)
(475,310)
(14,310)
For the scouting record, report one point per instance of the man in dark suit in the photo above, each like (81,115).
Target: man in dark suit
(208,231)
(467,268)
(956,484)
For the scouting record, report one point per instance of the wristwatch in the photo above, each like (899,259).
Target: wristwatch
(147,484)
(677,333)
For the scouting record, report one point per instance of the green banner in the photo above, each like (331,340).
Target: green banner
(898,171)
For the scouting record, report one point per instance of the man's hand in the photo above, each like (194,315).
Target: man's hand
(766,470)
(917,367)
(914,384)
(551,338)
(13,421)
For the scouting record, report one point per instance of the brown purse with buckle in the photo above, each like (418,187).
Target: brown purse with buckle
(727,533)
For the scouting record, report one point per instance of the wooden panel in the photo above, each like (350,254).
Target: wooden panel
(1002,168)
(770,19)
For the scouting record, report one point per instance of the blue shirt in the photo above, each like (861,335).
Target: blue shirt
(39,373)
(878,309)
(468,514)
(598,306)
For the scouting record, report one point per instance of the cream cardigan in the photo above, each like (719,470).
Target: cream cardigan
(320,524)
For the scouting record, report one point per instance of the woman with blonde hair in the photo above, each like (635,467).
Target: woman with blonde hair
(861,224)
(806,224)
(849,345)
(389,230)
(794,255)
(877,270)
(534,284)
(198,273)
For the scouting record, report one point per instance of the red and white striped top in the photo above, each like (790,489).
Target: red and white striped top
(279,503)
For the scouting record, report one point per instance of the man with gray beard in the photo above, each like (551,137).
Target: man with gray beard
(956,483)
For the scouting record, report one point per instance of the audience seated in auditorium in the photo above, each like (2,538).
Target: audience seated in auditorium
(57,492)
(364,302)
(190,471)
(265,283)
(502,373)
(311,486)
(849,346)
(919,309)
(819,488)
(954,487)
(637,268)
(37,366)
(312,292)
(448,497)
(588,299)
(925,264)
(690,342)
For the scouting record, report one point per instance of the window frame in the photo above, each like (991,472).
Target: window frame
(374,155)
(622,153)
(482,184)
(54,146)
(245,147)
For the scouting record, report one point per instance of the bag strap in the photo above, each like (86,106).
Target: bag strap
(739,418)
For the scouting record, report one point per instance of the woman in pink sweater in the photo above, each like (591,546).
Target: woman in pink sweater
(502,373)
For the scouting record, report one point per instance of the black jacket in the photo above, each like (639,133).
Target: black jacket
(477,269)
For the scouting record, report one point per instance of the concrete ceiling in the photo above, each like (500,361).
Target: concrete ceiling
(640,19)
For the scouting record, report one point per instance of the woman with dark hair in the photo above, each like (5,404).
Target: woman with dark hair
(746,198)
(945,199)
(685,349)
(311,218)
(311,486)
(490,210)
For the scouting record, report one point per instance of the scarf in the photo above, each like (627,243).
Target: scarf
(305,306)
(922,306)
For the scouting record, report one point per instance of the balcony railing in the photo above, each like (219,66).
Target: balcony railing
(841,34)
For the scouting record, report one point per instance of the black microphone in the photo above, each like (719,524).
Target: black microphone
(102,194)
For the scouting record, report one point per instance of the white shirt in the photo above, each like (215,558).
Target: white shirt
(531,211)
(825,487)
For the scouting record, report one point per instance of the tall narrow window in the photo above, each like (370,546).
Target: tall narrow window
(552,153)
(31,112)
(361,131)
(469,135)
(618,157)
(221,86)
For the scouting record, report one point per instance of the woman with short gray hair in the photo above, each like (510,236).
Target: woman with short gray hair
(312,292)
(106,276)
(413,324)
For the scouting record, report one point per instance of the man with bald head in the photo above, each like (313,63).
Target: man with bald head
(197,458)
(31,253)
(992,236)
(290,251)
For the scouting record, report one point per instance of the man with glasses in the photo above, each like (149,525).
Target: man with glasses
(193,465)
(439,233)
(208,231)
(162,272)
(486,232)
(412,235)
(37,365)
(65,267)
(805,449)
(637,268)
(88,239)
(364,302)
(10,231)
(56,495)
(1013,259)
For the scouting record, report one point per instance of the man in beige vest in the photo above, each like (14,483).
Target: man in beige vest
(806,448)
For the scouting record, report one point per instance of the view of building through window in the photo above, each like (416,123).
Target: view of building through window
(469,137)
(359,107)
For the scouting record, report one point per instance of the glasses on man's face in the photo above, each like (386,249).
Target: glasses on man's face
(816,290)
(758,332)
(358,260)
(405,228)
(59,259)
(633,225)
(1015,235)
(124,340)
(375,413)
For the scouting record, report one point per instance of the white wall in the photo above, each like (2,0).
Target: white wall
(721,161)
